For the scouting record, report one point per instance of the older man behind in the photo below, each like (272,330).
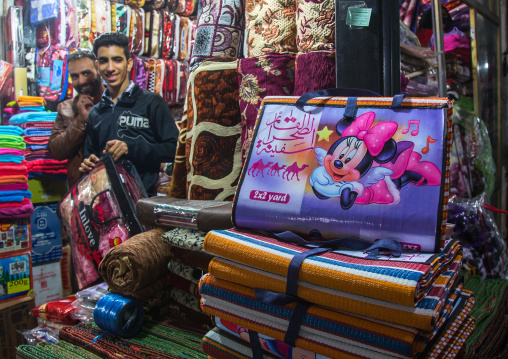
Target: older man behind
(69,131)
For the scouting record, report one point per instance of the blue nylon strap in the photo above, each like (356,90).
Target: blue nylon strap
(296,322)
(294,267)
(350,110)
(397,100)
(393,246)
(298,315)
(345,92)
(269,297)
(257,352)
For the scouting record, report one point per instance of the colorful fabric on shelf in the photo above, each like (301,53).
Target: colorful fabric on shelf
(315,26)
(221,345)
(14,196)
(109,346)
(491,298)
(11,141)
(270,27)
(314,71)
(137,267)
(39,124)
(32,117)
(40,132)
(179,175)
(391,280)
(36,140)
(219,31)
(11,151)
(185,238)
(11,158)
(322,330)
(194,259)
(268,344)
(13,179)
(213,123)
(25,210)
(50,166)
(459,325)
(185,271)
(268,75)
(425,315)
(14,187)
(11,130)
(31,109)
(26,101)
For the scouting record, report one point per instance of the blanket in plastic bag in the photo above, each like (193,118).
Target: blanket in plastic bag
(98,213)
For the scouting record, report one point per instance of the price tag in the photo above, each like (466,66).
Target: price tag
(18,285)
(358,16)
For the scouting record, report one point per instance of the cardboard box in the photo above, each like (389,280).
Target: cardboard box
(20,82)
(14,316)
(15,276)
(46,234)
(47,282)
(47,190)
(14,237)
(66,267)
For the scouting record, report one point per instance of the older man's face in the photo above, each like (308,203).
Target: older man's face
(84,75)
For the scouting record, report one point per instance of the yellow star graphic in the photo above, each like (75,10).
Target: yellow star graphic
(324,134)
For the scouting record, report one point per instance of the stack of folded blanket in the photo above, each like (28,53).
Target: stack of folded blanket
(47,167)
(14,195)
(37,125)
(269,299)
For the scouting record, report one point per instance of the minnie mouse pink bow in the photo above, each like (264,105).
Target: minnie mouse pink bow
(375,137)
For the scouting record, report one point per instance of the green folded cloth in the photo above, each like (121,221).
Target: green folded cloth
(491,297)
(11,141)
(63,349)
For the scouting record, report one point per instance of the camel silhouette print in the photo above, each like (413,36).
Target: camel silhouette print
(258,168)
(276,169)
(293,170)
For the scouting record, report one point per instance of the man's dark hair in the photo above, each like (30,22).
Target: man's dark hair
(81,54)
(112,39)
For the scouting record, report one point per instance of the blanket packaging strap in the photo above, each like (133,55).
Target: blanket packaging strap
(358,167)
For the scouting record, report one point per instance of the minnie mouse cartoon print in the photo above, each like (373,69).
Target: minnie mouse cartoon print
(366,165)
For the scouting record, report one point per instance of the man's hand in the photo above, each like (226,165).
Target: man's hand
(84,104)
(88,164)
(116,148)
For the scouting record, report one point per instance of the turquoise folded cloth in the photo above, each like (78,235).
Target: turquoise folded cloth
(11,158)
(31,108)
(11,130)
(32,117)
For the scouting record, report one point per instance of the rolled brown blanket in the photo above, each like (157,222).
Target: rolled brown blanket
(138,266)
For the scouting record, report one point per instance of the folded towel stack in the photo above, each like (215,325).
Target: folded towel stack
(14,195)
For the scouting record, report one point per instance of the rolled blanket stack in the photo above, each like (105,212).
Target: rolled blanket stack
(338,304)
(14,195)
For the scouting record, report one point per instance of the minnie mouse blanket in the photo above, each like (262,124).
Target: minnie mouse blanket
(349,167)
(99,213)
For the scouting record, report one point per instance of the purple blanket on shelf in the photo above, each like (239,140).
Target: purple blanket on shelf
(268,75)
(314,71)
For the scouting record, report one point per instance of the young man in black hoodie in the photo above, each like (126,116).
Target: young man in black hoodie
(128,122)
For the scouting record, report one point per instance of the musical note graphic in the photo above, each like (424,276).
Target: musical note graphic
(414,132)
(429,140)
